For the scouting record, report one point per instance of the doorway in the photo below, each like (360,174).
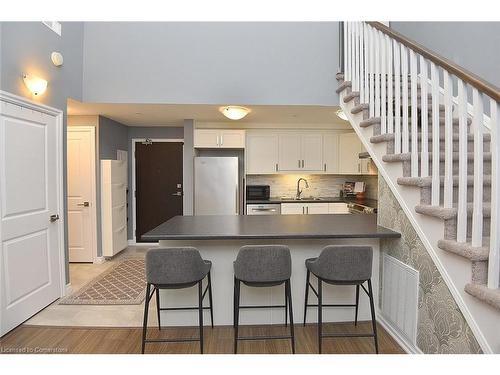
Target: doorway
(157,178)
(82,213)
(31,210)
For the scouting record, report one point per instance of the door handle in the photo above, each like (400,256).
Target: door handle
(177,194)
(84,204)
(53,218)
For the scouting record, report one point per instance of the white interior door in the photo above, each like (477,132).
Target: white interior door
(81,185)
(30,239)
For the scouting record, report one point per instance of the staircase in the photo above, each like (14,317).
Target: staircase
(439,152)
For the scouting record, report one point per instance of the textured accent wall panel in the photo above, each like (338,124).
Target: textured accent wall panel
(400,296)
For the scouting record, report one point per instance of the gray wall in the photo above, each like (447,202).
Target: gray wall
(113,136)
(473,45)
(144,132)
(289,63)
(26,48)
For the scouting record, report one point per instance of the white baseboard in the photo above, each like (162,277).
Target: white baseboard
(99,260)
(148,244)
(402,341)
(68,289)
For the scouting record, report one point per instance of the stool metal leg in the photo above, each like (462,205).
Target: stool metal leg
(306,296)
(286,307)
(146,311)
(290,311)
(210,299)
(237,313)
(372,308)
(320,314)
(158,307)
(357,306)
(200,313)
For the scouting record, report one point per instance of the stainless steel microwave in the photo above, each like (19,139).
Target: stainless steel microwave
(258,192)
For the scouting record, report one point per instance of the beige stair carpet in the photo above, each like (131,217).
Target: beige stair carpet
(122,284)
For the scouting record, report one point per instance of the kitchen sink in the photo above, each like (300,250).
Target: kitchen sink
(301,199)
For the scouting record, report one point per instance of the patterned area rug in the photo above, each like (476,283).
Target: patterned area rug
(122,284)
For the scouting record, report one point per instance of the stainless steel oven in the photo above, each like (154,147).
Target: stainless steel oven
(356,208)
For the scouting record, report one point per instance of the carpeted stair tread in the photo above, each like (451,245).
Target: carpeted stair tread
(466,249)
(352,95)
(485,294)
(344,85)
(388,137)
(369,122)
(359,108)
(449,213)
(339,76)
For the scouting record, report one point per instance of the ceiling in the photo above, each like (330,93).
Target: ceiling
(174,114)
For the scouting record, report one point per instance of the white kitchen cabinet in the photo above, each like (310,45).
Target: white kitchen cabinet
(292,208)
(219,138)
(349,148)
(300,151)
(261,153)
(330,153)
(338,208)
(304,208)
(312,151)
(290,158)
(317,208)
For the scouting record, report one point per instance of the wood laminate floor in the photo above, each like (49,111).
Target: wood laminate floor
(219,340)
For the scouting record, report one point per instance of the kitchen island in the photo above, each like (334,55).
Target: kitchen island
(218,238)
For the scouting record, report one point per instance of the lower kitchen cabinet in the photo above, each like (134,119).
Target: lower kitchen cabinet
(304,208)
(338,208)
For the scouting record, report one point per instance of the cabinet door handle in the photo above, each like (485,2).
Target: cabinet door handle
(307,210)
(359,167)
(276,167)
(221,140)
(302,163)
(303,210)
(324,167)
(218,141)
(299,163)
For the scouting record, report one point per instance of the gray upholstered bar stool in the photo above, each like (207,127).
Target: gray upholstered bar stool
(341,265)
(263,266)
(176,268)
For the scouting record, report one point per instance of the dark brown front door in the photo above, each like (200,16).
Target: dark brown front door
(158,173)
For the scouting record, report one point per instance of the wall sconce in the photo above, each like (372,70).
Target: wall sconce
(234,112)
(36,85)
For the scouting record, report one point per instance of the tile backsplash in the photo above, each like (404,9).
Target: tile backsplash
(319,185)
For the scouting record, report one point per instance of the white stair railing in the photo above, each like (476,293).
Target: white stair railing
(391,74)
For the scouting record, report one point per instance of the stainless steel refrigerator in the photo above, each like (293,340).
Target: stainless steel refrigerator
(216,186)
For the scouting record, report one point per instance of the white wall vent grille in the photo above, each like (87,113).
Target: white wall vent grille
(400,297)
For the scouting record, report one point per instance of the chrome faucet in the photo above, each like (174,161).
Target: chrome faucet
(299,192)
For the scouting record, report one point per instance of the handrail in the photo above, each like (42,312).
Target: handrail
(487,88)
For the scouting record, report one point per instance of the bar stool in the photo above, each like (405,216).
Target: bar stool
(341,265)
(176,268)
(263,266)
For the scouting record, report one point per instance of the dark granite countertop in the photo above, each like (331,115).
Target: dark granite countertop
(269,227)
(275,200)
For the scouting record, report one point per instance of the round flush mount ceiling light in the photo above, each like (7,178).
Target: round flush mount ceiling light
(234,112)
(340,113)
(36,85)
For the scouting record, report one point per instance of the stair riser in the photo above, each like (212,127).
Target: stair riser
(425,194)
(455,168)
(480,272)
(450,228)
(456,145)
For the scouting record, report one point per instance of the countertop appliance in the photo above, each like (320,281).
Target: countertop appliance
(216,186)
(258,192)
(264,209)
(357,208)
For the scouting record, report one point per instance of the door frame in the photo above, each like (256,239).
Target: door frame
(60,201)
(132,192)
(93,193)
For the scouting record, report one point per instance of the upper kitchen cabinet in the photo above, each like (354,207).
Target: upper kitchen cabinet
(331,153)
(300,152)
(350,147)
(261,153)
(219,138)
